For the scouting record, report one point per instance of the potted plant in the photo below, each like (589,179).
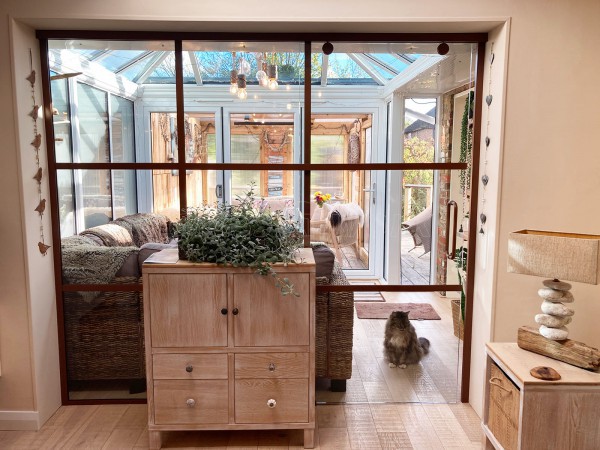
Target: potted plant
(240,235)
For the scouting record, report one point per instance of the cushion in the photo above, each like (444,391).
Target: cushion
(324,259)
(110,234)
(145,227)
(130,267)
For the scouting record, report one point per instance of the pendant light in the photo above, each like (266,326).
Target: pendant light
(272,74)
(233,77)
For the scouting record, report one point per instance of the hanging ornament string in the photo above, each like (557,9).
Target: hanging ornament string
(36,143)
(485,178)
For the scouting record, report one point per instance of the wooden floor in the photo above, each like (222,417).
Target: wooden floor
(436,379)
(415,264)
(339,427)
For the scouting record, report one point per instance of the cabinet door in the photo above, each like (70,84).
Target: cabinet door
(185,310)
(267,318)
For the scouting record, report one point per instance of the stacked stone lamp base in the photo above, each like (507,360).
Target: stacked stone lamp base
(556,315)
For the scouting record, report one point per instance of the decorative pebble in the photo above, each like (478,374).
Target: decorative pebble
(567,297)
(556,309)
(550,294)
(556,284)
(556,334)
(552,321)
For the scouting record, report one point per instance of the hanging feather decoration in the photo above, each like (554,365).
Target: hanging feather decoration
(37,141)
(31,78)
(41,207)
(43,248)
(38,175)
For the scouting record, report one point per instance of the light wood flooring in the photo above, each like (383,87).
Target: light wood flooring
(386,427)
(415,265)
(436,379)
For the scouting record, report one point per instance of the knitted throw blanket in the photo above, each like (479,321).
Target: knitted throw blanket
(145,227)
(92,264)
(111,235)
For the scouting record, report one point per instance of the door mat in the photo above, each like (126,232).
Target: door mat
(416,311)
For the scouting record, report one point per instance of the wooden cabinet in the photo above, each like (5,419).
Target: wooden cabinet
(523,412)
(225,350)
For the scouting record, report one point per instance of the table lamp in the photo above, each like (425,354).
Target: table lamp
(560,257)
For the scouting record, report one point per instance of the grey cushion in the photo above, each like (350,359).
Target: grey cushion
(324,259)
(130,267)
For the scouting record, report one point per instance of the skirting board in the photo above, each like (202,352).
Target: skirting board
(19,421)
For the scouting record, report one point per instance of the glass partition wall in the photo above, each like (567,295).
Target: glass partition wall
(373,128)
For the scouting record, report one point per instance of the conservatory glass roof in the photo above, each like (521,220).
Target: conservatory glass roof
(210,63)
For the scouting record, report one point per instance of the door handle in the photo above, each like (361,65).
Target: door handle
(372,191)
(219,191)
(451,254)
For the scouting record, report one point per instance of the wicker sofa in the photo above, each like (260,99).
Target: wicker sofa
(105,338)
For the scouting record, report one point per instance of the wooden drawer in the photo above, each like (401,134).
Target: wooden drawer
(503,412)
(210,401)
(183,366)
(252,398)
(271,365)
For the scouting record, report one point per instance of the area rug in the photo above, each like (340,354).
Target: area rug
(416,311)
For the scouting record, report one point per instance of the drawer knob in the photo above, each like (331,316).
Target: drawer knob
(235,311)
(271,367)
(190,402)
(189,368)
(271,403)
(224,311)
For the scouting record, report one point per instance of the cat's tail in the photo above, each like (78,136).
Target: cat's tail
(424,343)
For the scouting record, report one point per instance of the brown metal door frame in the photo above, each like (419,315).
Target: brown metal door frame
(308,38)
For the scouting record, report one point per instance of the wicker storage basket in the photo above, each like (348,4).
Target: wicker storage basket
(459,326)
(104,335)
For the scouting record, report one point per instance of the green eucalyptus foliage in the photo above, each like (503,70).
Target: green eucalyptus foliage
(240,236)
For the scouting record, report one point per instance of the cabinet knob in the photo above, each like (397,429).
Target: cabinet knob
(190,402)
(189,368)
(235,311)
(271,403)
(224,311)
(271,367)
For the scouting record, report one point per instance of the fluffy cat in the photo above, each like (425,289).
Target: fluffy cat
(401,345)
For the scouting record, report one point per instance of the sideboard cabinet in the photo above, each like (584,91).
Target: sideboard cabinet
(225,350)
(523,412)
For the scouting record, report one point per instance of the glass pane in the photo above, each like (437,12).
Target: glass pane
(163,132)
(419,130)
(92,115)
(93,193)
(124,189)
(165,190)
(61,115)
(200,142)
(104,345)
(66,202)
(201,187)
(122,129)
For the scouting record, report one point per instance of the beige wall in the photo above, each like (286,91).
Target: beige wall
(550,154)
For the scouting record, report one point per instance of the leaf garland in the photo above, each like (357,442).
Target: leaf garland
(466,144)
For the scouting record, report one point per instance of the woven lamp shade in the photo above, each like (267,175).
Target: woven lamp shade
(564,256)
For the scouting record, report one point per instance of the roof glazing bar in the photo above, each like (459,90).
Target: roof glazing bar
(133,62)
(99,55)
(402,57)
(324,68)
(357,58)
(379,63)
(150,67)
(195,68)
